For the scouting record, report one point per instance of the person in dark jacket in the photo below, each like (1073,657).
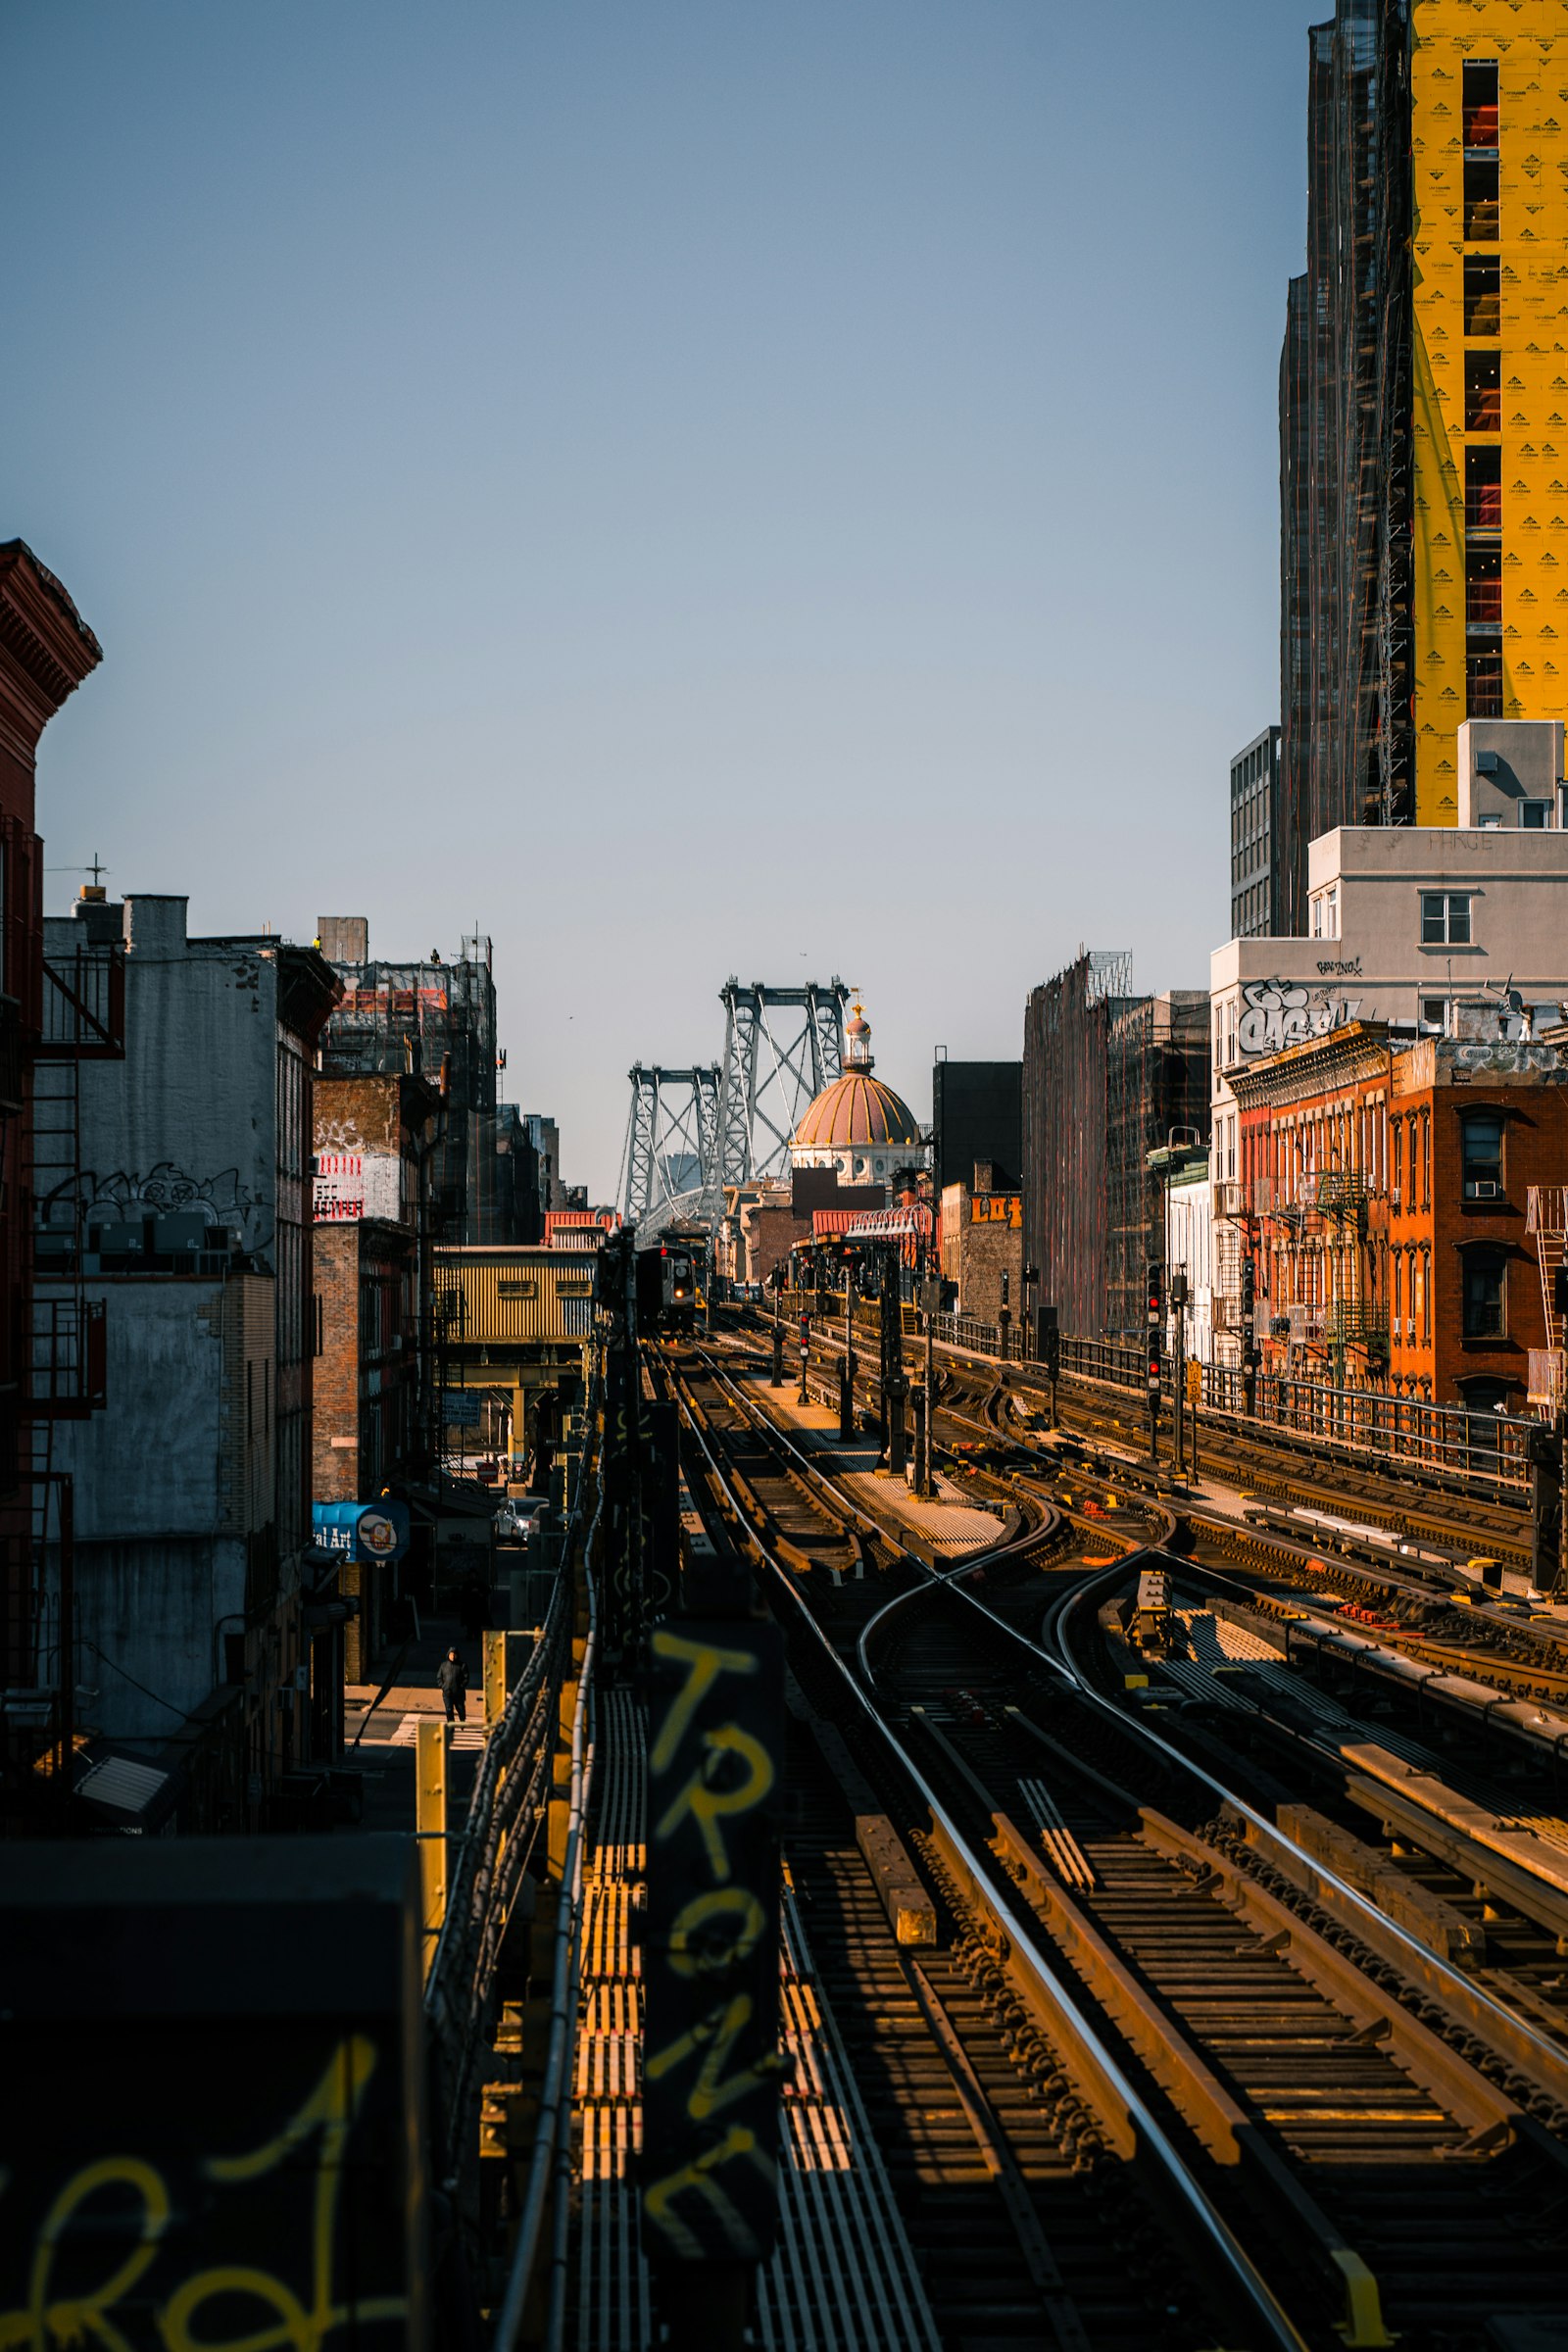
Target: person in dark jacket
(452,1679)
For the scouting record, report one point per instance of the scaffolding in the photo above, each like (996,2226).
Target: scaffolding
(1345,467)
(438,1019)
(1107,1078)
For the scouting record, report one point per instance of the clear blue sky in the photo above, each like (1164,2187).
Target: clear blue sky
(689,485)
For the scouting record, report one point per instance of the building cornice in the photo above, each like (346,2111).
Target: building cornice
(48,648)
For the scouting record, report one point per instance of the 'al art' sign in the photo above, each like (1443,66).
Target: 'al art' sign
(365,1531)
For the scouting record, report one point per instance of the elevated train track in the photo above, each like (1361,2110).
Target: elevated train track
(1328,2095)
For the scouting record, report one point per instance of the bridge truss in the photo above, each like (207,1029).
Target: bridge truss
(782,1045)
(670,1170)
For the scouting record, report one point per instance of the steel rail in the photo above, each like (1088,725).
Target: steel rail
(1517,2041)
(1247,2283)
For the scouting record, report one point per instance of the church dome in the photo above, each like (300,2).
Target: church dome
(856,1114)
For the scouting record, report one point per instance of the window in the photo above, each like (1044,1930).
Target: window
(1479,102)
(1482,1155)
(1483,294)
(1483,489)
(1480,215)
(1425,1159)
(1482,680)
(1445,919)
(510,1285)
(1483,391)
(1483,585)
(1534,816)
(1434,1013)
(1484,1299)
(1398,1157)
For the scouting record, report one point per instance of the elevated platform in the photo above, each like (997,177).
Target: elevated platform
(948,1525)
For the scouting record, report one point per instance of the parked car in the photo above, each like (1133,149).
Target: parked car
(517,1518)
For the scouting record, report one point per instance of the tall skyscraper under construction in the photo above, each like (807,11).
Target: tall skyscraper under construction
(1423,411)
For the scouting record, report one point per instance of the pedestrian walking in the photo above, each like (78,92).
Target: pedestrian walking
(452,1677)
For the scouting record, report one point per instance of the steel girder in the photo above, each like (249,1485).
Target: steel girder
(671,1140)
(773,1070)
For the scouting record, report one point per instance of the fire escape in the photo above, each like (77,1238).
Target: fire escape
(82,1019)
(1546,1218)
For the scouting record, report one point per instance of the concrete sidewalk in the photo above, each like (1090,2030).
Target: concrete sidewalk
(386,1734)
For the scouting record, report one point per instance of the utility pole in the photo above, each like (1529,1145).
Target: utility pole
(846,1360)
(1248,1334)
(895,1386)
(1153,1318)
(776,1285)
(1178,1300)
(806,1351)
(1004,1315)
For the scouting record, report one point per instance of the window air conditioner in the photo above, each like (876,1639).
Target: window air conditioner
(1483,1188)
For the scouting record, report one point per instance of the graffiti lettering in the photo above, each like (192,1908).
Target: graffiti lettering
(1284,1012)
(658,2197)
(707,1665)
(709,1805)
(76,2220)
(720,2029)
(711,2001)
(996,1208)
(695,1951)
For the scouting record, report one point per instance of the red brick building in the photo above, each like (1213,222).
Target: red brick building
(1383,1196)
(373,1403)
(46,650)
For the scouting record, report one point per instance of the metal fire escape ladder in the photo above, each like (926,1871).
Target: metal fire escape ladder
(83,1021)
(1546,1218)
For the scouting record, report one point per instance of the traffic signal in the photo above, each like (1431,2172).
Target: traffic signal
(1154,1292)
(1051,1340)
(1545,1452)
(1249,1286)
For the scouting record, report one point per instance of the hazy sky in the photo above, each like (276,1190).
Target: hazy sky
(688,488)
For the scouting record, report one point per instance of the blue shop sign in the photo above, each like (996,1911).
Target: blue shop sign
(365,1531)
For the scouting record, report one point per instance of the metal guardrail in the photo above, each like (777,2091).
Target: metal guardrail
(489,1860)
(1488,1447)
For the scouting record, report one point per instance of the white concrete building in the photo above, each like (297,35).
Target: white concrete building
(1190,1248)
(186,1214)
(1405,923)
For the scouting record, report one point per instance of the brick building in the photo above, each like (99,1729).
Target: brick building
(373,1393)
(982,1246)
(1383,1199)
(46,651)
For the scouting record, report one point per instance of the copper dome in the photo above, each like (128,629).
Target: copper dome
(857,1112)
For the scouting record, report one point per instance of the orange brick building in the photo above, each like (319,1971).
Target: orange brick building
(1383,1196)
(373,1267)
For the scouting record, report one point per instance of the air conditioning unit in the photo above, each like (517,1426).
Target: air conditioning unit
(1483,1188)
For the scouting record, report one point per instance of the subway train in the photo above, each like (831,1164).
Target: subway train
(672,1280)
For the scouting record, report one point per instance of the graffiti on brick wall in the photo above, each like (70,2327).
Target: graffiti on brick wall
(998,1208)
